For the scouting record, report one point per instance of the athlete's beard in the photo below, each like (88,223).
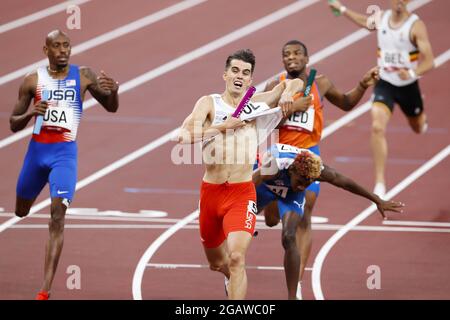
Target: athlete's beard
(61,66)
(294,74)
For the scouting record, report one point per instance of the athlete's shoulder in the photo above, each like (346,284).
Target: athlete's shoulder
(32,75)
(273,82)
(30,80)
(86,72)
(208,99)
(322,82)
(204,103)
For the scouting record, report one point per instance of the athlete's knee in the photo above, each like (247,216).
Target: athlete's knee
(305,223)
(217,265)
(418,127)
(22,212)
(56,223)
(378,128)
(23,207)
(272,221)
(236,260)
(288,239)
(57,219)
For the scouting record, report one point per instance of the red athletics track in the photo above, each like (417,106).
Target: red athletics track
(108,249)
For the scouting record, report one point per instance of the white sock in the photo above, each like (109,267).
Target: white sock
(380,189)
(299,291)
(424,128)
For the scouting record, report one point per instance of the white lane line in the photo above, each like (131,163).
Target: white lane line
(97,218)
(380,228)
(108,36)
(326,248)
(324,53)
(205,266)
(39,15)
(188,226)
(96,226)
(140,268)
(416,223)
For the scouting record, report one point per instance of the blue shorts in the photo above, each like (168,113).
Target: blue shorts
(294,201)
(55,163)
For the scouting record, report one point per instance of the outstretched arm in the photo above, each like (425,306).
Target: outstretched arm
(103,88)
(361,20)
(347,101)
(281,94)
(330,175)
(21,115)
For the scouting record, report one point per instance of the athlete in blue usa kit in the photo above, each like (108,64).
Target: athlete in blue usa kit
(285,173)
(58,91)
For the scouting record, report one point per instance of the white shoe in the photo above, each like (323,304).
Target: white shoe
(298,294)
(380,190)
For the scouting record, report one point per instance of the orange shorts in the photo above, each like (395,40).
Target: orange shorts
(225,208)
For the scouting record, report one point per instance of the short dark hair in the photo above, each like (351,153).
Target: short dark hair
(296,42)
(245,55)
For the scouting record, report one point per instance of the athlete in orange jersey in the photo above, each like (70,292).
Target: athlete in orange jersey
(227,198)
(302,128)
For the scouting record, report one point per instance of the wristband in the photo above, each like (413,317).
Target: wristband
(412,74)
(342,9)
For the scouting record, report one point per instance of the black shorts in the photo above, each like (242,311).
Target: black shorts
(408,97)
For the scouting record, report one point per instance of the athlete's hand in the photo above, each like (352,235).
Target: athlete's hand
(39,108)
(336,5)
(107,84)
(301,104)
(286,103)
(404,74)
(371,77)
(389,206)
(233,123)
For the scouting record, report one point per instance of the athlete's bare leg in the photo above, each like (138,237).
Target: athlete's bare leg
(271,214)
(380,119)
(55,242)
(419,123)
(304,235)
(218,259)
(238,243)
(290,221)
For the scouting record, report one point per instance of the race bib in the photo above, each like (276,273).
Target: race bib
(58,117)
(394,60)
(252,109)
(278,190)
(301,120)
(288,148)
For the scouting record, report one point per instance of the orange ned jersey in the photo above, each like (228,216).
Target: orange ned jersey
(304,129)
